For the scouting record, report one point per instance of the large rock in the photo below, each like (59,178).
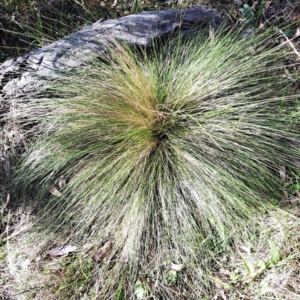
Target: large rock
(27,74)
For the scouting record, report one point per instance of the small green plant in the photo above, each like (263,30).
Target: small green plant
(119,295)
(253,15)
(247,12)
(254,268)
(140,292)
(171,277)
(274,253)
(161,151)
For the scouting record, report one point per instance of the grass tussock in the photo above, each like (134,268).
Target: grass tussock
(168,154)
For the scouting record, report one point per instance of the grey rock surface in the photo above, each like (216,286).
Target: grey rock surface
(27,74)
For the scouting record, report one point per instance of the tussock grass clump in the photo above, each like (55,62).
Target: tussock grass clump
(169,154)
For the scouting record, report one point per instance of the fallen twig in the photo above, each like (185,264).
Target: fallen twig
(290,43)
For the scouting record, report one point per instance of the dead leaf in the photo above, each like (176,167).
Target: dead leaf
(238,2)
(103,251)
(177,268)
(63,250)
(243,249)
(114,4)
(252,50)
(225,272)
(220,295)
(54,191)
(282,173)
(267,4)
(284,196)
(174,288)
(62,182)
(224,258)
